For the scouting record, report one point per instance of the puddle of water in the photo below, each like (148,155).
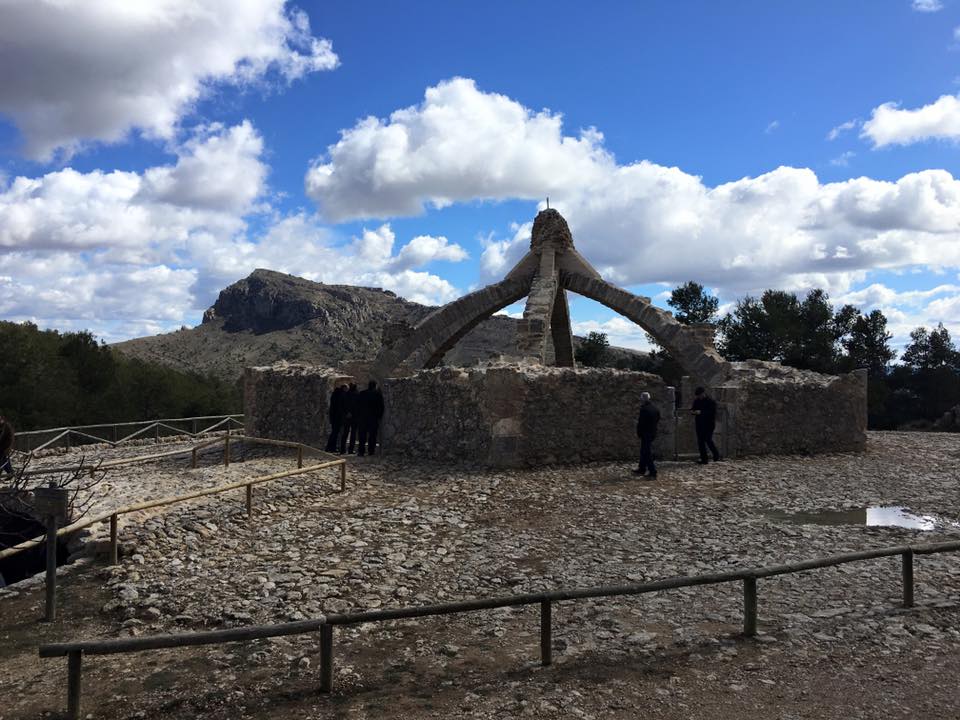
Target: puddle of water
(871,516)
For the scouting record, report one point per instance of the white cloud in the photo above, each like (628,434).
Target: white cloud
(843,159)
(425,249)
(459,143)
(890,125)
(81,70)
(927,5)
(619,331)
(638,222)
(906,310)
(125,253)
(773,125)
(842,128)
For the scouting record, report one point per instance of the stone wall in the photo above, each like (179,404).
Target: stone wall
(774,409)
(514,415)
(510,414)
(289,401)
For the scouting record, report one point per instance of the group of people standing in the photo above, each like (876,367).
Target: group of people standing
(355,416)
(704,411)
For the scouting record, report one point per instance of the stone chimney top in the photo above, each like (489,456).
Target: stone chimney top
(550,229)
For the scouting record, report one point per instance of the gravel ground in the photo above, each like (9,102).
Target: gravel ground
(832,643)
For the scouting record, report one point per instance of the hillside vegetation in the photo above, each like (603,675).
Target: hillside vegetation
(50,379)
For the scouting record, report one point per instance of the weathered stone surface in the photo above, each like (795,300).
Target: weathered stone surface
(288,401)
(513,415)
(775,409)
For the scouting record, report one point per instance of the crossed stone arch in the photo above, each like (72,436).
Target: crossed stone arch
(550,268)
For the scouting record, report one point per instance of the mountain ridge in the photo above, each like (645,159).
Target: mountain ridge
(270,316)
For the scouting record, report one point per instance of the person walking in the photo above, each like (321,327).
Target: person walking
(351,419)
(6,445)
(647,422)
(371,411)
(337,412)
(704,411)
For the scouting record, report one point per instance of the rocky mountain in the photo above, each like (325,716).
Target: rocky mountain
(270,316)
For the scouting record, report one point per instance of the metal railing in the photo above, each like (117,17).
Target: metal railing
(74,651)
(31,441)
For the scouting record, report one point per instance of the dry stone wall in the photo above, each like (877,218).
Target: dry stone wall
(515,415)
(289,401)
(779,410)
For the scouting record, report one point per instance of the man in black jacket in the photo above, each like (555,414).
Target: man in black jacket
(647,422)
(351,419)
(337,413)
(704,411)
(371,410)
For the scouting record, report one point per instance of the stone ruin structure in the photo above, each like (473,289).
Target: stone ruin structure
(540,408)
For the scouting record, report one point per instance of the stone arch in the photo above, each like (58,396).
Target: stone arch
(543,275)
(697,359)
(441,330)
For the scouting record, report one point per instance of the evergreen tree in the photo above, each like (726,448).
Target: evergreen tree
(868,344)
(594,350)
(692,304)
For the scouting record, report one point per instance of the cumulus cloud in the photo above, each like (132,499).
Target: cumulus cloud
(927,6)
(124,253)
(93,70)
(891,125)
(639,222)
(909,309)
(459,143)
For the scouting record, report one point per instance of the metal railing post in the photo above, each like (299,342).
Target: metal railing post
(326,658)
(908,578)
(546,644)
(114,550)
(749,606)
(74,668)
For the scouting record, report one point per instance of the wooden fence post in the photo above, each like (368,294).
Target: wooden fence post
(326,658)
(193,458)
(546,650)
(750,606)
(51,594)
(300,456)
(114,550)
(343,476)
(74,666)
(249,499)
(908,578)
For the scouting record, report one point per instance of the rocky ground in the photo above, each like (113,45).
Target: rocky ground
(833,642)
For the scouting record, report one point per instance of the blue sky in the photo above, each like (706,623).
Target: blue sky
(152,153)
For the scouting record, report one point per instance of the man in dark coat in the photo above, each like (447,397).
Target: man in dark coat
(351,419)
(647,422)
(704,411)
(371,411)
(337,413)
(6,445)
